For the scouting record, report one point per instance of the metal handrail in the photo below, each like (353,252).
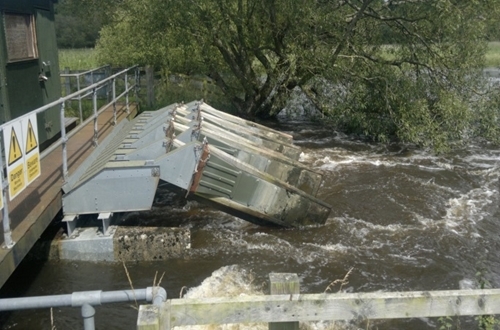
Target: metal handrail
(78,75)
(83,72)
(9,243)
(85,300)
(68,97)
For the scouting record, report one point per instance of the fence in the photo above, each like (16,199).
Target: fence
(61,103)
(293,307)
(85,300)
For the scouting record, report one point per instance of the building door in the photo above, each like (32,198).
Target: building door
(31,71)
(24,92)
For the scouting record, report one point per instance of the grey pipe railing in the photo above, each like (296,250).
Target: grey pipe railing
(77,76)
(85,300)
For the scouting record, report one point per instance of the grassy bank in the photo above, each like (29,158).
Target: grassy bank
(78,59)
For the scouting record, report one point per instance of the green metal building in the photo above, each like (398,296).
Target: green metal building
(29,65)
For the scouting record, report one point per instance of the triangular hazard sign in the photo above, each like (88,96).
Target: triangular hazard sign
(31,142)
(15,152)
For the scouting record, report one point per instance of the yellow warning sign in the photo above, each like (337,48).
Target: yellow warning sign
(16,180)
(15,152)
(31,142)
(33,167)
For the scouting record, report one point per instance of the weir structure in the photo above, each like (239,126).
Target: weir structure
(239,166)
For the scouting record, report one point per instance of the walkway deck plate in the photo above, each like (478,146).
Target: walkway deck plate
(243,168)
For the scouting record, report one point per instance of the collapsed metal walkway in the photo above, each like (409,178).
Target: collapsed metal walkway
(239,166)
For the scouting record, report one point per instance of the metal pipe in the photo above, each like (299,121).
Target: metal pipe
(64,142)
(114,101)
(11,304)
(159,295)
(88,313)
(79,98)
(126,89)
(7,233)
(78,299)
(83,73)
(94,103)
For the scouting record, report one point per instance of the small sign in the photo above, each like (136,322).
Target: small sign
(15,151)
(31,140)
(31,151)
(12,135)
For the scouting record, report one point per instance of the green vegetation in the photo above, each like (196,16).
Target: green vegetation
(428,90)
(78,59)
(493,54)
(77,23)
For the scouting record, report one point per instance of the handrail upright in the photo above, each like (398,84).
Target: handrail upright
(7,232)
(114,101)
(127,91)
(64,142)
(94,104)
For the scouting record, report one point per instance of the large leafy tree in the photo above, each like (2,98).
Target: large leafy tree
(404,69)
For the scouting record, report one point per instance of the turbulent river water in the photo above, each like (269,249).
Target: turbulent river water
(402,219)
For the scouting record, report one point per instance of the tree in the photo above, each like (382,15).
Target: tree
(388,69)
(78,21)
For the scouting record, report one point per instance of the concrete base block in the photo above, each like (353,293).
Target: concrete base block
(87,244)
(123,244)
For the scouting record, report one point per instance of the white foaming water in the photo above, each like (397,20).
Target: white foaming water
(468,209)
(235,281)
(228,281)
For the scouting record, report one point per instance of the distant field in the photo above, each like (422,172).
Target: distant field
(84,59)
(78,59)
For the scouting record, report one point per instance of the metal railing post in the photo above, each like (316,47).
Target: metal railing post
(79,98)
(126,92)
(94,103)
(64,142)
(7,233)
(114,101)
(88,313)
(137,83)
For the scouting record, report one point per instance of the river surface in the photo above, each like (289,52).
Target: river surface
(402,219)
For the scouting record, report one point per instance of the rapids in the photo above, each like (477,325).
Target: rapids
(402,219)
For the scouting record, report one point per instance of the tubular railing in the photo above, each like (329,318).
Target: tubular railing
(106,69)
(85,300)
(90,90)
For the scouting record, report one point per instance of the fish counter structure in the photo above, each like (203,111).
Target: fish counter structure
(236,165)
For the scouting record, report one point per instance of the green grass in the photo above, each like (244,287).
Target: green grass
(493,54)
(78,59)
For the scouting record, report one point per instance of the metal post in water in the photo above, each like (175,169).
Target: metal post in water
(7,233)
(94,102)
(126,92)
(88,313)
(114,101)
(79,98)
(64,142)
